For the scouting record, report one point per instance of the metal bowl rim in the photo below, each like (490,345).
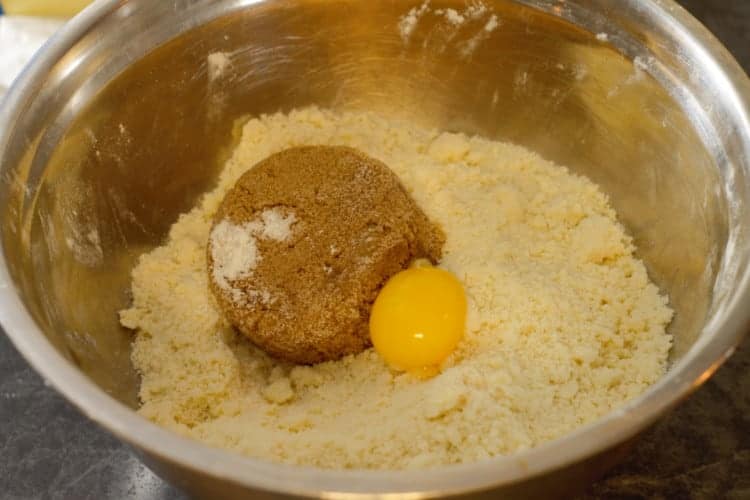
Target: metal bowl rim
(715,346)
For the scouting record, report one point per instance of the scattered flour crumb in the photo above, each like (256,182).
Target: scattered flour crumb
(217,63)
(602,37)
(492,24)
(408,22)
(495,98)
(475,10)
(85,245)
(471,45)
(453,17)
(580,72)
(454,22)
(641,64)
(640,71)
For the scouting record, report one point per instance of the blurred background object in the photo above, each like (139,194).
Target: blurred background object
(46,8)
(24,26)
(20,37)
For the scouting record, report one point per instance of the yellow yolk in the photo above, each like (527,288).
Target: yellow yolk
(418,318)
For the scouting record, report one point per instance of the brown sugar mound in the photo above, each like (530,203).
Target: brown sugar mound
(309,295)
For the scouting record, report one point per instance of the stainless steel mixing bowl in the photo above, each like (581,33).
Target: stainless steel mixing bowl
(121,122)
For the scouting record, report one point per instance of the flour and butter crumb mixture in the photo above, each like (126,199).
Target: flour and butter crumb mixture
(563,323)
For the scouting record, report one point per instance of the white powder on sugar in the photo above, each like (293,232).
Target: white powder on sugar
(234,250)
(234,254)
(277,226)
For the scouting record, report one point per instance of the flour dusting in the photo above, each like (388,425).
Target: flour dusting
(234,249)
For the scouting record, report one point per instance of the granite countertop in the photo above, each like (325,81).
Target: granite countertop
(700,451)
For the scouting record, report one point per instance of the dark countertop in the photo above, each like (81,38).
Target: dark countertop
(700,451)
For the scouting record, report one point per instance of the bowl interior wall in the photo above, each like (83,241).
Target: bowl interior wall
(126,143)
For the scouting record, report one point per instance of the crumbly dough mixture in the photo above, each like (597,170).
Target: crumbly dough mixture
(563,323)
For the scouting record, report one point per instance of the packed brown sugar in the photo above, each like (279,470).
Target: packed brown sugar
(343,223)
(563,323)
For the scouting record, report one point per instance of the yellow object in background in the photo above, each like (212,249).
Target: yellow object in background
(45,8)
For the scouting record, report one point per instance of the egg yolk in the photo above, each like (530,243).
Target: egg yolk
(418,318)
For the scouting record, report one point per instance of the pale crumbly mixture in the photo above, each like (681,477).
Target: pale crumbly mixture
(563,324)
